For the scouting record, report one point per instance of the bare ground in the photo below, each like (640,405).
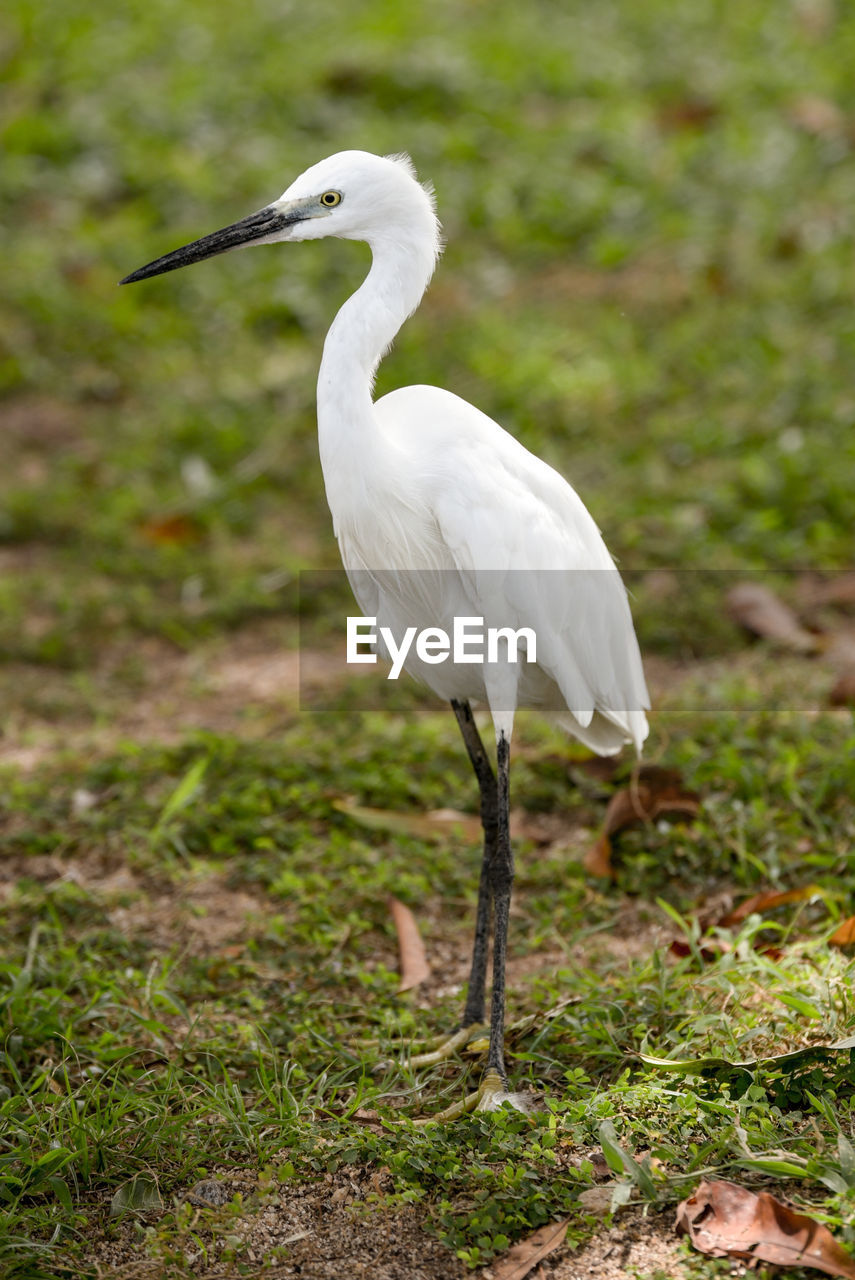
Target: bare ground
(328,1230)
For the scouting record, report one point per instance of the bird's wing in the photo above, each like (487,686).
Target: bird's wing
(529,550)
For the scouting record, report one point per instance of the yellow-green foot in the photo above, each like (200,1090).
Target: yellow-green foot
(491,1094)
(471,1037)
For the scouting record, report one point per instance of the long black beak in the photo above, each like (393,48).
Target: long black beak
(257,227)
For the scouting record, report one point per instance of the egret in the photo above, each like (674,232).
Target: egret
(440,514)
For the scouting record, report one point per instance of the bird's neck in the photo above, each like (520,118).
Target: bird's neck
(361,334)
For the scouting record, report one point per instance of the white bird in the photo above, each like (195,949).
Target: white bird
(441,514)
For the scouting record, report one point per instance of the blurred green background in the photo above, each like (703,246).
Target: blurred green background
(648,279)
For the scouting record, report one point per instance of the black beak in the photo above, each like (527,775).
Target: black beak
(249,230)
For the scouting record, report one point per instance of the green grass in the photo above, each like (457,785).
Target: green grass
(648,279)
(120,1046)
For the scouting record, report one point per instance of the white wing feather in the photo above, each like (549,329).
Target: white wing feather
(528,553)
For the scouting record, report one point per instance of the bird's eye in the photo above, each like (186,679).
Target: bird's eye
(331,199)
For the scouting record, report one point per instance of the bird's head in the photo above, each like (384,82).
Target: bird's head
(353,195)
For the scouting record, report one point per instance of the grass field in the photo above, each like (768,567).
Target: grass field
(648,279)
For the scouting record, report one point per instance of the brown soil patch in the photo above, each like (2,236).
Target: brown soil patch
(636,1247)
(245,683)
(204,913)
(332,1230)
(328,1230)
(248,683)
(150,691)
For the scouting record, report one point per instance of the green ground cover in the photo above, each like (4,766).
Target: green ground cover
(649,280)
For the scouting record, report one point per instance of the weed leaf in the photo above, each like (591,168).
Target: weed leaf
(621,1161)
(715,1066)
(61,1190)
(184,792)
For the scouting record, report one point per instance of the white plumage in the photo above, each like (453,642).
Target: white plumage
(440,513)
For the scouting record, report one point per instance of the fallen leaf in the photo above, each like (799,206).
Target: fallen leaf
(759,611)
(654,793)
(525,1256)
(723,1220)
(436,825)
(172,530)
(139,1194)
(844,934)
(598,859)
(724,1066)
(692,113)
(413,960)
(842,692)
(761,902)
(710,949)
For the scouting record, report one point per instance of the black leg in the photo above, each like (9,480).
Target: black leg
(501,883)
(475,1006)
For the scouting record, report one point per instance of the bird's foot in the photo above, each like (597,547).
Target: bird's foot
(491,1094)
(470,1038)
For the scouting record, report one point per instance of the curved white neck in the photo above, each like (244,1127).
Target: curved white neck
(358,339)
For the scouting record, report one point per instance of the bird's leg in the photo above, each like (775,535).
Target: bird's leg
(473,1014)
(493,1090)
(501,873)
(474,1011)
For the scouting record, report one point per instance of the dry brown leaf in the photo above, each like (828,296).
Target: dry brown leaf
(842,693)
(687,114)
(598,859)
(759,611)
(525,1256)
(654,793)
(725,1220)
(844,934)
(172,530)
(435,825)
(761,902)
(710,949)
(413,959)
